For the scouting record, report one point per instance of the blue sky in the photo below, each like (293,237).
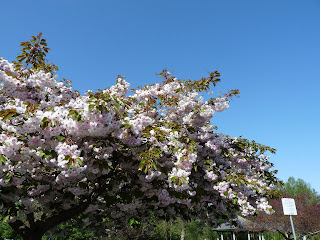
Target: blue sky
(268,49)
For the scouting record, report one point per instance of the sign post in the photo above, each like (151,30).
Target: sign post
(289,208)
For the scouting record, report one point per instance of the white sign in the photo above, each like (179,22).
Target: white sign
(289,206)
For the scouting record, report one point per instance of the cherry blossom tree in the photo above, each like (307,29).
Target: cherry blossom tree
(116,155)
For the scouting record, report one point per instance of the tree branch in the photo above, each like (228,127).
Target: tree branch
(283,235)
(30,219)
(63,216)
(313,233)
(19,227)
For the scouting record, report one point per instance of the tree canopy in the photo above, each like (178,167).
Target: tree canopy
(297,188)
(116,155)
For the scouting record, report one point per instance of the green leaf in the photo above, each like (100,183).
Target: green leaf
(173,178)
(79,161)
(131,221)
(8,179)
(3,159)
(5,114)
(69,165)
(79,118)
(44,125)
(72,112)
(41,153)
(61,138)
(4,219)
(184,180)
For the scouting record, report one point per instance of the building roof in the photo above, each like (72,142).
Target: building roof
(229,227)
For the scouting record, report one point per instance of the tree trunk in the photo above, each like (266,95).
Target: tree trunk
(183,234)
(35,235)
(39,228)
(285,235)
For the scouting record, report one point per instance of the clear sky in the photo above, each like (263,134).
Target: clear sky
(270,50)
